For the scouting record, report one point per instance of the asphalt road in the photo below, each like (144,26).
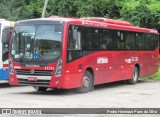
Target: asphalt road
(145,94)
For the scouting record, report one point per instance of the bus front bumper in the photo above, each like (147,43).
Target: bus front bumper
(67,81)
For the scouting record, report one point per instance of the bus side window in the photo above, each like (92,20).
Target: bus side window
(74,43)
(122,40)
(139,41)
(130,43)
(118,40)
(105,39)
(156,41)
(95,37)
(74,38)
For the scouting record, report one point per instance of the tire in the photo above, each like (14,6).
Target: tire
(87,83)
(135,76)
(42,89)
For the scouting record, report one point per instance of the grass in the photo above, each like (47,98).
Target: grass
(155,76)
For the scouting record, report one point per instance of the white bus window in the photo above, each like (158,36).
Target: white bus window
(6,35)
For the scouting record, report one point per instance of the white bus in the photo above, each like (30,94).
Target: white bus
(5,33)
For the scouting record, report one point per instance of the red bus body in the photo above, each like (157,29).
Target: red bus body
(118,65)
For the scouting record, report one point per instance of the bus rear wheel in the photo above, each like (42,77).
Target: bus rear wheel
(42,89)
(135,76)
(87,83)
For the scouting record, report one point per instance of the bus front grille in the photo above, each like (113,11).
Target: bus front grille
(42,83)
(34,72)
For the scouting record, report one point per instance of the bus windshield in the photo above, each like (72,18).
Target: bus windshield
(37,42)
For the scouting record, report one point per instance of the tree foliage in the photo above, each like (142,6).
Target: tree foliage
(145,13)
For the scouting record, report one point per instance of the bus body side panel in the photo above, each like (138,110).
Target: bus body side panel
(3,65)
(149,63)
(156,60)
(120,66)
(113,69)
(3,74)
(3,70)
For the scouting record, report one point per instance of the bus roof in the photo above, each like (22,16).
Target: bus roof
(98,22)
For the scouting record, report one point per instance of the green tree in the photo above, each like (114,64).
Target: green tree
(144,13)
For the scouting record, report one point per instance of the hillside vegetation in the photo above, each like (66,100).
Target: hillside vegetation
(145,13)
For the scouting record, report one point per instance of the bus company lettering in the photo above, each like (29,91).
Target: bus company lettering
(128,60)
(102,60)
(132,59)
(49,68)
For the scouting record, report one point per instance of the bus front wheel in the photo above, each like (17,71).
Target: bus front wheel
(135,76)
(42,89)
(87,83)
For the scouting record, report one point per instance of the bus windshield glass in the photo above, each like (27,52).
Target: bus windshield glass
(37,42)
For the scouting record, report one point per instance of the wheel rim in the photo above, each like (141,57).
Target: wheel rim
(86,81)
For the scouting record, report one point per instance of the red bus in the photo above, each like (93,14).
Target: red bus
(79,53)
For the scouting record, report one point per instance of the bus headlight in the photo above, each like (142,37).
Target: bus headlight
(10,69)
(58,69)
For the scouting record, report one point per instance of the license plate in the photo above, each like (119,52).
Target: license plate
(32,79)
